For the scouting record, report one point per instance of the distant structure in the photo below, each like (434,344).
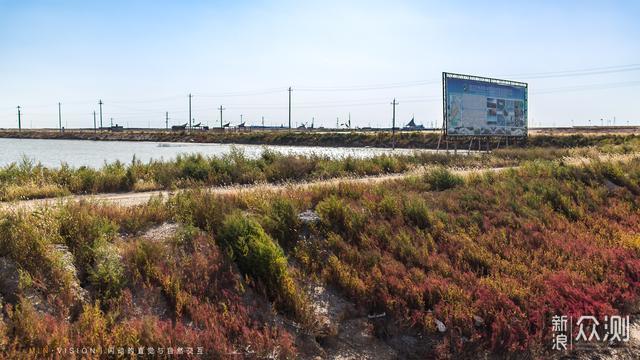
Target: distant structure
(199,126)
(411,125)
(113,128)
(179,127)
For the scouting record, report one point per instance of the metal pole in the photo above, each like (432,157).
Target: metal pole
(221,108)
(166,120)
(60,117)
(100,103)
(393,126)
(94,121)
(190,111)
(289,107)
(19,120)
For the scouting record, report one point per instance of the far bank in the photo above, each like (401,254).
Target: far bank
(378,139)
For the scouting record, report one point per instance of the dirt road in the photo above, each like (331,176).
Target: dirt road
(137,198)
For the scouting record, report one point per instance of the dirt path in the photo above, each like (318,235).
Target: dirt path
(138,198)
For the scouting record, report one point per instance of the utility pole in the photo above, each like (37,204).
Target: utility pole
(111,122)
(337,123)
(59,116)
(240,118)
(221,108)
(263,121)
(349,121)
(100,103)
(166,120)
(290,107)
(190,96)
(19,120)
(94,121)
(393,125)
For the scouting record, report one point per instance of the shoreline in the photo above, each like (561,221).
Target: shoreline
(317,138)
(383,140)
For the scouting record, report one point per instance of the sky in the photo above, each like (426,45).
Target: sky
(142,58)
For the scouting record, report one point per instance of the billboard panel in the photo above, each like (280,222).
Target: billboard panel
(477,106)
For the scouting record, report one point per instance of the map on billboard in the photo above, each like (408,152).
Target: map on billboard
(484,107)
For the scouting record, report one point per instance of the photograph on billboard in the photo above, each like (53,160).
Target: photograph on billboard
(476,106)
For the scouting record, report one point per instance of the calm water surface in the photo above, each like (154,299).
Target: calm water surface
(76,153)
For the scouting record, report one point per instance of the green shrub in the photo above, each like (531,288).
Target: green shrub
(26,239)
(261,258)
(184,237)
(388,206)
(113,178)
(442,179)
(27,329)
(337,215)
(254,251)
(12,192)
(107,273)
(193,167)
(197,207)
(84,231)
(416,212)
(144,258)
(282,222)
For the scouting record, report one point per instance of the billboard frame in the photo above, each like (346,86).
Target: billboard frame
(445,111)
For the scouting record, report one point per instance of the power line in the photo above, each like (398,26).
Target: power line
(244,93)
(564,73)
(577,74)
(577,70)
(370,87)
(600,86)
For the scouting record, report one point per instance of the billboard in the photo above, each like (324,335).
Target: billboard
(477,106)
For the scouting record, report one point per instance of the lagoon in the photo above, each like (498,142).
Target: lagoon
(52,153)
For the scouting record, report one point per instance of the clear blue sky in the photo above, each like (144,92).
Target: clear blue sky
(142,58)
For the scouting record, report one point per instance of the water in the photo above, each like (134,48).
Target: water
(52,153)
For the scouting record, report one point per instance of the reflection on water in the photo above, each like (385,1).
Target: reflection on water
(95,153)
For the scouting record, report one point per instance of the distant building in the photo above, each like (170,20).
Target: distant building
(412,125)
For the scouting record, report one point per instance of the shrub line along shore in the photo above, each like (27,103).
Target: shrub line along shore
(379,139)
(141,198)
(27,180)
